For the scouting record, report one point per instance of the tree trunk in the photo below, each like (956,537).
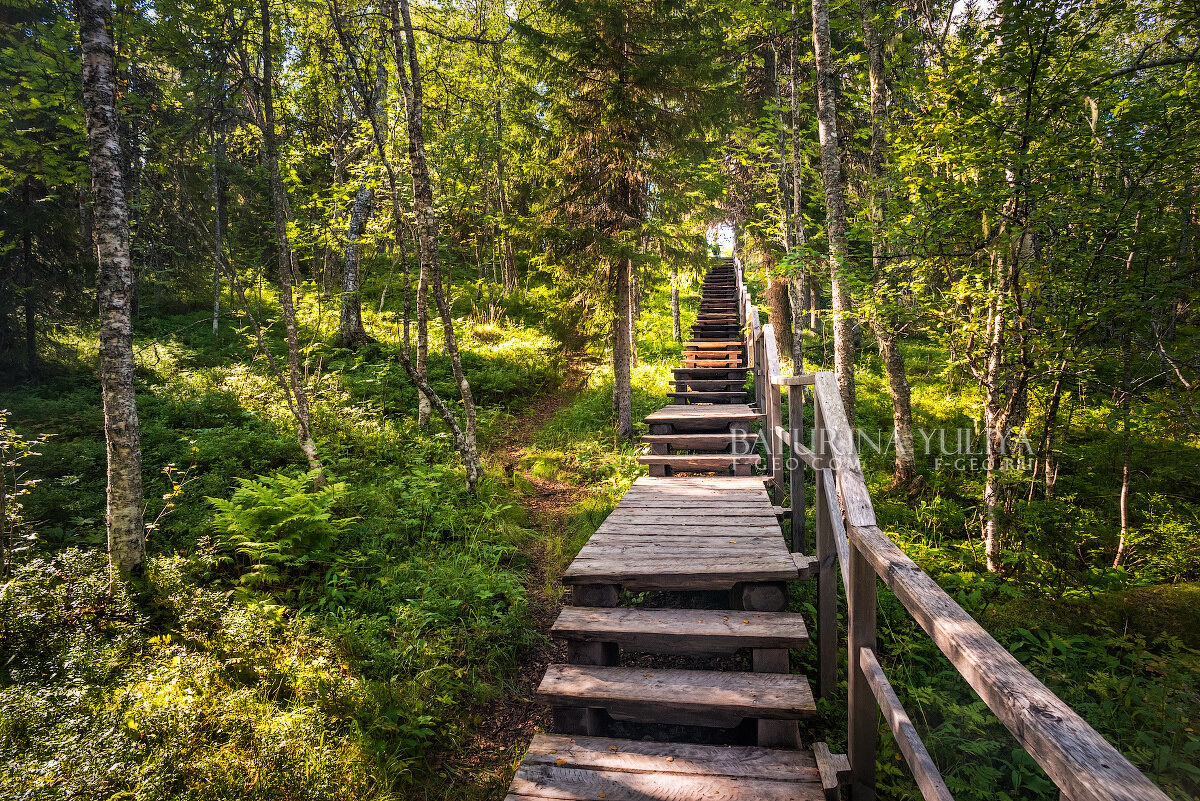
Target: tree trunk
(122,433)
(30,281)
(350,327)
(622,377)
(779,310)
(218,189)
(427,235)
(1126,392)
(883,320)
(799,291)
(633,317)
(836,225)
(298,398)
(508,255)
(676,327)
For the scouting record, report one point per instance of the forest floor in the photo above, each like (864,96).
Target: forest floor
(482,765)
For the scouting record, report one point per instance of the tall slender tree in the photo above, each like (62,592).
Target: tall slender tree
(408,70)
(836,224)
(115,287)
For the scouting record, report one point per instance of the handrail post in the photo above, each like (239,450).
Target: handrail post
(827,658)
(862,725)
(796,494)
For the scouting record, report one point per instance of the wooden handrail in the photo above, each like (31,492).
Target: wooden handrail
(1075,756)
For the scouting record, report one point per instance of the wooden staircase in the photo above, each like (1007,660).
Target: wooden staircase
(682,537)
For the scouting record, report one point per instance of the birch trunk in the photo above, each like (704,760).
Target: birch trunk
(218,188)
(836,225)
(883,321)
(798,290)
(427,238)
(1126,392)
(283,250)
(122,433)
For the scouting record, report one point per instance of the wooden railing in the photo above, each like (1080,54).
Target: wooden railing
(849,542)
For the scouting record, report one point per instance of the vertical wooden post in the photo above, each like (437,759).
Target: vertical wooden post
(796,474)
(863,732)
(827,655)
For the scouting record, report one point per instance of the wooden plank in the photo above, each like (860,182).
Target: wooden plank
(832,767)
(555,783)
(650,757)
(648,694)
(757,528)
(806,380)
(692,518)
(1072,753)
(742,507)
(700,461)
(682,630)
(699,573)
(726,413)
(806,564)
(796,487)
(682,485)
(839,448)
(862,734)
(827,657)
(602,546)
(798,449)
(924,771)
(837,528)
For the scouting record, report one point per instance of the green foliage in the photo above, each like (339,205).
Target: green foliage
(276,522)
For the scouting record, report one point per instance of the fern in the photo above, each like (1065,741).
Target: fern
(276,521)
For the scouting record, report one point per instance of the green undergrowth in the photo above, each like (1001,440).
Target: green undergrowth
(284,641)
(1118,645)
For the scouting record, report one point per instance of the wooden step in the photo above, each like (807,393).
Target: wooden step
(686,697)
(694,419)
(709,385)
(712,362)
(701,462)
(558,767)
(690,631)
(738,373)
(708,343)
(695,442)
(709,396)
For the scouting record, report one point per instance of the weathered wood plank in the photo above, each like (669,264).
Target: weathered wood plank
(862,734)
(839,449)
(924,771)
(682,630)
(553,782)
(745,529)
(650,757)
(832,768)
(641,694)
(760,516)
(668,574)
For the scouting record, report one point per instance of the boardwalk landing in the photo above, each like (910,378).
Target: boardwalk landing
(675,532)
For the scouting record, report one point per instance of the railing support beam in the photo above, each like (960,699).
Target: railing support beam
(862,722)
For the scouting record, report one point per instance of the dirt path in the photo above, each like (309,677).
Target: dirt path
(481,766)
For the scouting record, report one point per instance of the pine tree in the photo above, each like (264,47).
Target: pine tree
(622,86)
